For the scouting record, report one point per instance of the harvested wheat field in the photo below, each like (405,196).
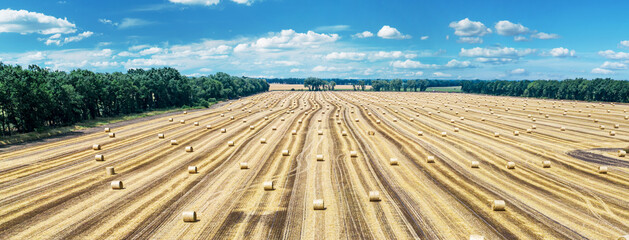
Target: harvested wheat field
(278,87)
(359,166)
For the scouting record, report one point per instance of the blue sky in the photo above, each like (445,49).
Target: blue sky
(345,39)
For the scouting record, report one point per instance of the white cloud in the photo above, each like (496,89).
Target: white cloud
(518,71)
(494,60)
(411,64)
(365,34)
(107,21)
(505,52)
(55,39)
(24,22)
(471,40)
(424,37)
(209,2)
(510,29)
(467,28)
(458,64)
(346,56)
(520,38)
(150,51)
(391,55)
(205,70)
(609,54)
(287,63)
(132,22)
(562,52)
(440,74)
(294,70)
(624,43)
(544,36)
(333,28)
(614,65)
(288,39)
(388,32)
(331,69)
(602,71)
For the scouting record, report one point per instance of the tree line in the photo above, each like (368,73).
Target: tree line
(316,84)
(598,89)
(37,98)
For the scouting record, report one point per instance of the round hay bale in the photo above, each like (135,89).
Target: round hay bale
(602,127)
(266,118)
(602,169)
(223,130)
(185,112)
(338,121)
(533,127)
(353,154)
(498,205)
(294,132)
(222,115)
(99,157)
(372,133)
(451,120)
(562,128)
(394,120)
(244,120)
(189,149)
(262,140)
(319,132)
(456,129)
(622,153)
(160,136)
(528,130)
(208,126)
(534,119)
(112,135)
(318,204)
(269,185)
(182,121)
(477,237)
(252,127)
(420,133)
(107,130)
(394,161)
(116,185)
(374,196)
(430,159)
(231,118)
(475,164)
(192,169)
(171,119)
(96,147)
(110,171)
(627,117)
(196,123)
(616,125)
(173,142)
(319,157)
(595,120)
(546,164)
(510,165)
(496,134)
(285,152)
(344,133)
(516,133)
(444,134)
(273,128)
(357,120)
(282,119)
(299,121)
(612,133)
(230,143)
(244,165)
(190,216)
(378,121)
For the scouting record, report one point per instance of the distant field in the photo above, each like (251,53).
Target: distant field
(444,89)
(284,87)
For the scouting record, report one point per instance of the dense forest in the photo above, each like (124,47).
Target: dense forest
(37,98)
(573,89)
(316,84)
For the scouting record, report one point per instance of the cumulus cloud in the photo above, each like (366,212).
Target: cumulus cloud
(56,39)
(520,38)
(411,64)
(440,74)
(518,71)
(365,34)
(107,21)
(494,61)
(561,52)
(468,28)
(331,69)
(613,65)
(458,64)
(424,37)
(391,55)
(602,71)
(543,36)
(610,54)
(132,22)
(150,51)
(505,52)
(346,56)
(388,32)
(471,40)
(288,39)
(24,22)
(507,28)
(624,43)
(287,63)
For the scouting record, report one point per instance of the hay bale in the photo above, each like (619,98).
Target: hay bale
(185,112)
(319,132)
(616,125)
(622,153)
(244,165)
(378,121)
(269,185)
(252,127)
(294,132)
(96,147)
(318,204)
(394,161)
(533,127)
(244,120)
(161,136)
(510,165)
(173,142)
(344,133)
(496,134)
(107,130)
(602,169)
(273,128)
(222,115)
(223,130)
(516,133)
(338,122)
(112,135)
(444,134)
(353,154)
(451,120)
(182,121)
(189,149)
(420,133)
(262,140)
(171,119)
(99,157)
(528,130)
(394,120)
(612,133)
(372,133)
(546,164)
(476,237)
(299,121)
(498,205)
(285,152)
(430,159)
(319,157)
(196,123)
(602,127)
(192,169)
(456,129)
(110,171)
(266,118)
(190,216)
(282,119)
(208,126)
(230,143)
(482,119)
(562,128)
(374,196)
(116,185)
(475,164)
(231,118)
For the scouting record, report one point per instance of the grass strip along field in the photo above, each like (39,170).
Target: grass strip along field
(334,165)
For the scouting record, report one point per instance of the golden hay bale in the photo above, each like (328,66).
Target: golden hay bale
(546,116)
(230,143)
(282,119)
(252,127)
(602,169)
(456,129)
(244,165)
(622,153)
(477,237)
(371,133)
(263,140)
(294,132)
(319,132)
(99,157)
(244,120)
(338,121)
(612,133)
(208,126)
(299,121)
(222,115)
(336,115)
(160,136)
(196,123)
(533,127)
(273,128)
(451,120)
(353,154)
(344,133)
(173,142)
(185,112)
(482,119)
(319,157)
(229,109)
(223,130)
(357,120)
(534,119)
(595,120)
(285,152)
(171,119)
(110,171)
(627,117)
(192,169)
(393,161)
(116,185)
(528,130)
(516,133)
(96,147)
(394,120)
(420,133)
(190,216)
(496,134)
(231,118)
(107,129)
(475,164)
(546,164)
(562,128)
(374,196)
(112,135)
(430,159)
(616,125)
(269,185)
(462,118)
(498,205)
(318,204)
(510,165)
(189,149)
(444,134)
(182,121)
(602,127)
